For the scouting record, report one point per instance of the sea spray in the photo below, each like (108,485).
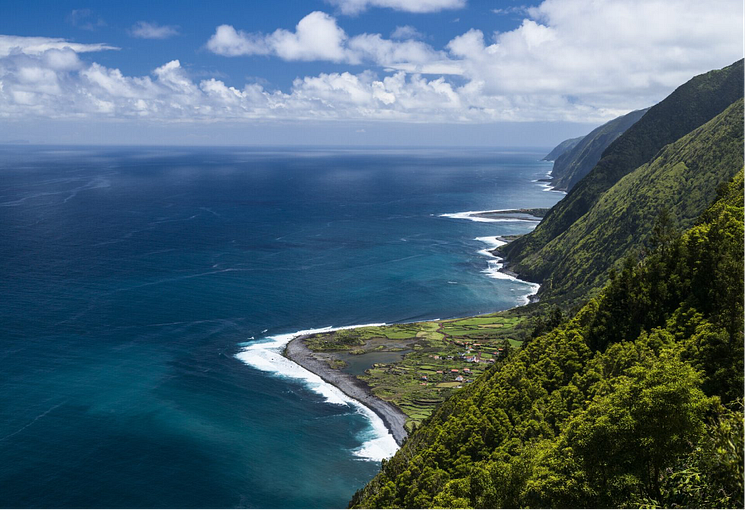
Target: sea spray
(546,186)
(378,443)
(266,355)
(476,216)
(495,265)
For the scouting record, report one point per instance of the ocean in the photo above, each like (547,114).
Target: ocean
(147,293)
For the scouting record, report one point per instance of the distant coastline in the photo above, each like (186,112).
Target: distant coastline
(499,215)
(548,183)
(535,214)
(393,417)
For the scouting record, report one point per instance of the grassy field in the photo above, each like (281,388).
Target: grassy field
(445,356)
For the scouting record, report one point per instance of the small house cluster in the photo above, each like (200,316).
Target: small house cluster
(457,375)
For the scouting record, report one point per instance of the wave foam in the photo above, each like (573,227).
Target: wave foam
(493,243)
(378,443)
(266,355)
(550,188)
(474,216)
(547,186)
(495,265)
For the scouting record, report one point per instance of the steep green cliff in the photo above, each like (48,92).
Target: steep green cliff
(562,148)
(636,401)
(680,182)
(687,108)
(575,163)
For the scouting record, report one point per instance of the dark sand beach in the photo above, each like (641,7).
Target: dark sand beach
(354,388)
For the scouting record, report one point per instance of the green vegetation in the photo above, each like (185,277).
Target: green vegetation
(711,476)
(635,401)
(337,364)
(623,386)
(679,182)
(574,164)
(441,352)
(688,107)
(537,212)
(350,339)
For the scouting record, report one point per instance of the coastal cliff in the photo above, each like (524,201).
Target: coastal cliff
(574,163)
(628,388)
(549,255)
(616,407)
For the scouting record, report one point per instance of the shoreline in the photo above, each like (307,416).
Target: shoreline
(394,419)
(493,216)
(296,351)
(534,214)
(496,266)
(548,183)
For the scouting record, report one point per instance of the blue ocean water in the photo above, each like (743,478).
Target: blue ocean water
(132,278)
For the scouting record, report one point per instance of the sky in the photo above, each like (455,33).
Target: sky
(347,72)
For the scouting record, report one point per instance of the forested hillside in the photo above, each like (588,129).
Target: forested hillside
(679,182)
(575,163)
(688,107)
(637,400)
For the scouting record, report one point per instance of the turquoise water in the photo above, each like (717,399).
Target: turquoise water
(133,278)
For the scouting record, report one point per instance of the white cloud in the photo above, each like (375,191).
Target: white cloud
(610,55)
(420,6)
(569,60)
(387,53)
(38,45)
(56,84)
(318,37)
(519,9)
(43,86)
(229,42)
(607,53)
(406,32)
(61,60)
(146,30)
(85,19)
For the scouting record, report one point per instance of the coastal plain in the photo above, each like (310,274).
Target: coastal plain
(413,367)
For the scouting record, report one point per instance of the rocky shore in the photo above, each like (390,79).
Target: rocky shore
(351,386)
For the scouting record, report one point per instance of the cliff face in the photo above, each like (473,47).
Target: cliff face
(687,108)
(637,399)
(680,181)
(575,163)
(562,148)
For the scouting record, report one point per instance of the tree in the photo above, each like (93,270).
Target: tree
(628,437)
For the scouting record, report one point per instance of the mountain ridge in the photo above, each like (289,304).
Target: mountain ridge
(575,163)
(682,179)
(689,106)
(636,399)
(563,147)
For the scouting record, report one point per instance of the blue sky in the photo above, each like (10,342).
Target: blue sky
(196,22)
(457,72)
